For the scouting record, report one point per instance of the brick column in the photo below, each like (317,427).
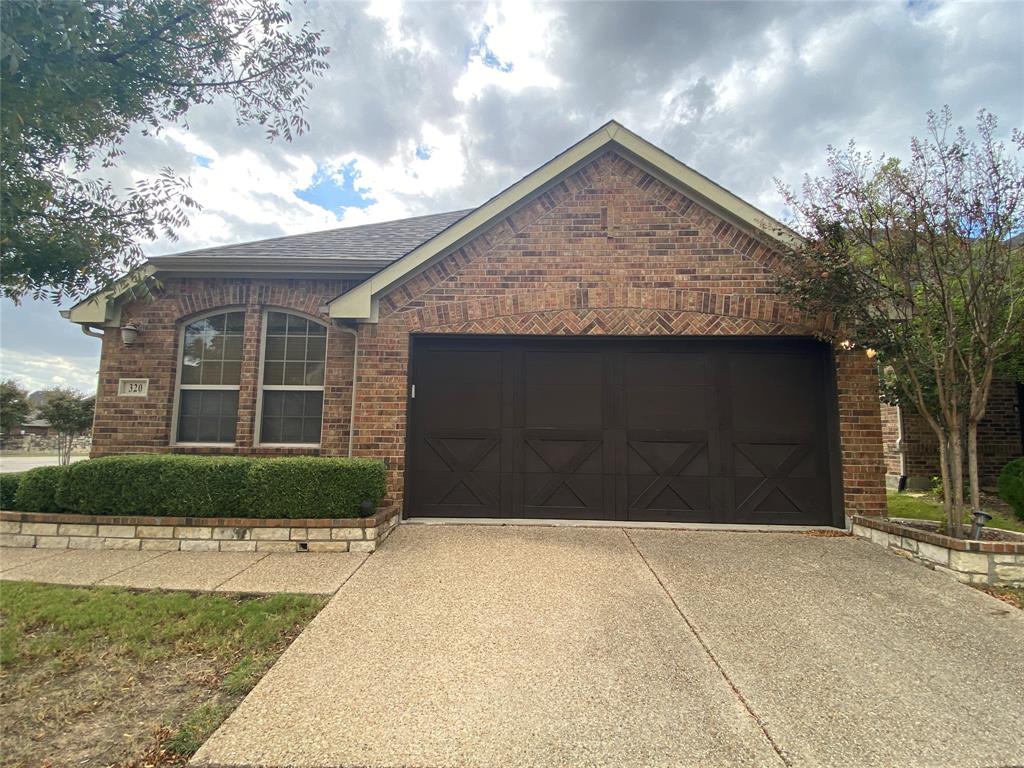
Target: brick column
(249,382)
(860,433)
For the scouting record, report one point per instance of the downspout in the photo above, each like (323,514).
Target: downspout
(901,450)
(355,378)
(88,331)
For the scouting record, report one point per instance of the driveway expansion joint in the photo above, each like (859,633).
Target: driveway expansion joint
(714,660)
(239,573)
(99,581)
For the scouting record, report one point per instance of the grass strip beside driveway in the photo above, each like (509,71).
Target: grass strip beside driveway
(99,676)
(921,506)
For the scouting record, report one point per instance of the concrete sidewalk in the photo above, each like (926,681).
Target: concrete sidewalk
(500,647)
(248,572)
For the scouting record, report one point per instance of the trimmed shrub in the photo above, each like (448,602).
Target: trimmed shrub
(165,485)
(1011,486)
(37,491)
(9,482)
(159,485)
(315,487)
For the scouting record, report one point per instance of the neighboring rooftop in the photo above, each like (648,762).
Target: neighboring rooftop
(372,244)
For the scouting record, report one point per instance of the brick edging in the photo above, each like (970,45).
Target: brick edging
(195,534)
(216,522)
(938,539)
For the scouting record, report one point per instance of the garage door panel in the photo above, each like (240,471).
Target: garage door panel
(651,498)
(651,406)
(795,501)
(564,451)
(668,453)
(678,369)
(685,430)
(459,451)
(443,494)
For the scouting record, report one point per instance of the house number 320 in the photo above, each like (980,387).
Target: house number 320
(133,387)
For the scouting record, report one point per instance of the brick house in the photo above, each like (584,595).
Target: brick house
(601,340)
(912,450)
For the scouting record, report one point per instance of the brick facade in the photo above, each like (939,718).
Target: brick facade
(999,439)
(609,250)
(144,425)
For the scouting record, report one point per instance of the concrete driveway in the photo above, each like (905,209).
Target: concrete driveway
(469,646)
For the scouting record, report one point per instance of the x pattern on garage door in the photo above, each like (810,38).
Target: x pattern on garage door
(680,430)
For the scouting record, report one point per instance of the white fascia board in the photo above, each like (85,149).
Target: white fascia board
(361,302)
(95,309)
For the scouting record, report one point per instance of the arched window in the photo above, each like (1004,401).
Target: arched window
(292,380)
(211,367)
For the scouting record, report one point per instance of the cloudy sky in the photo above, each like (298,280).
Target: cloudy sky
(431,107)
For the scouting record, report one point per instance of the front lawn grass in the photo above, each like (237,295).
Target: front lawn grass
(94,676)
(921,506)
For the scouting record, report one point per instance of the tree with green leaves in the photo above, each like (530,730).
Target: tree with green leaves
(14,405)
(70,413)
(922,260)
(77,76)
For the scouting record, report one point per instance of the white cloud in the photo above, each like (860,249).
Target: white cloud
(41,371)
(743,92)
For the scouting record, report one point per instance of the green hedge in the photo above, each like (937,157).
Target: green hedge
(1011,486)
(314,487)
(162,485)
(9,482)
(204,486)
(37,491)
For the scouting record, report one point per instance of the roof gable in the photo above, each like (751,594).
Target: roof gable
(361,302)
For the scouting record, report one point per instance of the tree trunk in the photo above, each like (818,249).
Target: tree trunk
(956,479)
(972,465)
(947,491)
(64,449)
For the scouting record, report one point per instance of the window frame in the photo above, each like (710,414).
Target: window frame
(183,324)
(258,426)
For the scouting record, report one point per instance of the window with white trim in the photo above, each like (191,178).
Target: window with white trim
(292,383)
(211,368)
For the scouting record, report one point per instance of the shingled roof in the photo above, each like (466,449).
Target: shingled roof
(371,243)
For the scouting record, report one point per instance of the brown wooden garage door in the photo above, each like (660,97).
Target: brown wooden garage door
(725,431)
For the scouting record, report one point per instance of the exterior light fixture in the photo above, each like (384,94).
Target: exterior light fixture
(980,518)
(870,353)
(366,507)
(129,333)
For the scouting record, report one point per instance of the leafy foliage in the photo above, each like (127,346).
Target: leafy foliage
(14,405)
(214,486)
(9,482)
(70,413)
(153,484)
(315,487)
(37,491)
(77,76)
(923,262)
(1011,486)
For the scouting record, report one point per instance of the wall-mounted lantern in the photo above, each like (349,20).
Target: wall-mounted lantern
(129,333)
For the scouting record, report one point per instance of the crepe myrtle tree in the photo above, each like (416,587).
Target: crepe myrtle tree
(70,413)
(921,261)
(78,76)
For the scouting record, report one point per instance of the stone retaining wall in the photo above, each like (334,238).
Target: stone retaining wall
(995,563)
(195,534)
